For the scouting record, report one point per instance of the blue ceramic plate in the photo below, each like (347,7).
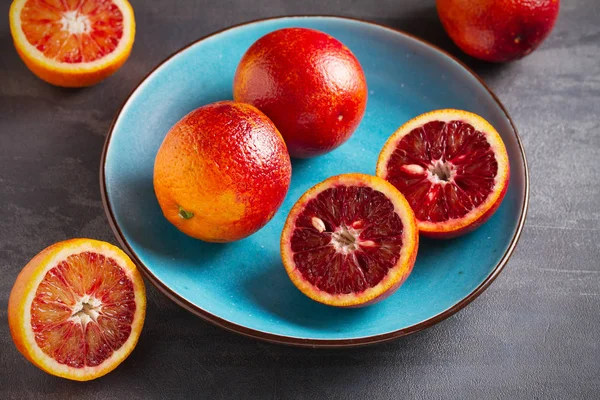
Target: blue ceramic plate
(243,286)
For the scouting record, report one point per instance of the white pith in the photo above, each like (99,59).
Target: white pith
(345,239)
(441,172)
(86,309)
(75,23)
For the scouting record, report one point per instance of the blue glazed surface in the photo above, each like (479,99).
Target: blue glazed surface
(244,282)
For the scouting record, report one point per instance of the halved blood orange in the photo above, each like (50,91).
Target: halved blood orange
(350,241)
(77,309)
(72,43)
(453,168)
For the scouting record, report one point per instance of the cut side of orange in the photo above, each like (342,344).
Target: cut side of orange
(72,43)
(77,309)
(350,241)
(453,168)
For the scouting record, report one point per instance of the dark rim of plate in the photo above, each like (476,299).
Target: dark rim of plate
(303,342)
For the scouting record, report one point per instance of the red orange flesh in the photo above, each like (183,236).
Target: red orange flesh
(77,309)
(349,241)
(453,168)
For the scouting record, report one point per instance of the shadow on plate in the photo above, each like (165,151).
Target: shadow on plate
(272,290)
(299,165)
(431,250)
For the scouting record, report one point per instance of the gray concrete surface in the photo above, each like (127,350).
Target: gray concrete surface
(535,333)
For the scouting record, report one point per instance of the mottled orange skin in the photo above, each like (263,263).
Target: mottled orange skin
(310,85)
(225,163)
(498,30)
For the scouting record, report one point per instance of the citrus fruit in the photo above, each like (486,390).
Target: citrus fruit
(310,85)
(498,30)
(452,167)
(350,241)
(77,309)
(72,43)
(222,172)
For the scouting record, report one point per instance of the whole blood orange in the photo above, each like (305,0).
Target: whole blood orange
(350,241)
(498,30)
(222,172)
(72,43)
(77,309)
(309,84)
(452,167)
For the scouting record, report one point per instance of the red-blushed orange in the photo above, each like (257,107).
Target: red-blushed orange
(311,86)
(222,172)
(498,30)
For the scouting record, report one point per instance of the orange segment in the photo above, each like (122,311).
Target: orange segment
(72,42)
(77,309)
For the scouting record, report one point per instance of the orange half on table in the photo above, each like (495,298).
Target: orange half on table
(77,309)
(72,43)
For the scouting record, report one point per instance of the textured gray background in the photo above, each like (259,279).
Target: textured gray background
(535,333)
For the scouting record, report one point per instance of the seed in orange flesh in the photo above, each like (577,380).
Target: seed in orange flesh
(72,43)
(350,241)
(77,309)
(453,168)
